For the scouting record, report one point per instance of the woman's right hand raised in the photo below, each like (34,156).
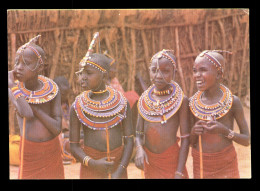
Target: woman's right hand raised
(140,157)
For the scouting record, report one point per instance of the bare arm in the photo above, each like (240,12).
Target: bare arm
(53,121)
(128,143)
(139,141)
(184,131)
(242,137)
(74,136)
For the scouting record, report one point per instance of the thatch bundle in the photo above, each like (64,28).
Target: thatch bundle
(133,36)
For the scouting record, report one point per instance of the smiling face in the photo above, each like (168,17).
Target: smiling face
(205,74)
(161,77)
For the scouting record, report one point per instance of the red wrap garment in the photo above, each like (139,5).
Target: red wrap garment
(131,96)
(221,164)
(42,160)
(89,173)
(163,165)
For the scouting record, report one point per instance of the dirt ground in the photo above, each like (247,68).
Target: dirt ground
(243,154)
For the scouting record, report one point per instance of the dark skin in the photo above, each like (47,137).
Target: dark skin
(213,132)
(159,137)
(94,80)
(43,121)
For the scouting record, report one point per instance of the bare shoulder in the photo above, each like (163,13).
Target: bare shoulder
(237,105)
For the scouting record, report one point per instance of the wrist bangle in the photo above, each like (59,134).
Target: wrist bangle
(179,173)
(86,160)
(123,166)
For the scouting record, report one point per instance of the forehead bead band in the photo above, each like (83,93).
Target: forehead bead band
(164,54)
(28,45)
(212,59)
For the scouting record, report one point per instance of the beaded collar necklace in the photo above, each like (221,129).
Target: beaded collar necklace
(112,109)
(217,110)
(48,91)
(164,92)
(160,110)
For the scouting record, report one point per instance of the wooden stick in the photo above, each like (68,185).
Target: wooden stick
(108,149)
(201,160)
(243,60)
(179,61)
(142,174)
(22,149)
(133,60)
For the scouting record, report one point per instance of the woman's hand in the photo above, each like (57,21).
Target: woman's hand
(198,128)
(216,127)
(140,157)
(102,165)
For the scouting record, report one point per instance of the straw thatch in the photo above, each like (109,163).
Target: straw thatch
(132,37)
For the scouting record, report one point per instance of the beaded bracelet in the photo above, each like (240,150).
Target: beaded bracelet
(86,160)
(16,92)
(179,173)
(184,136)
(129,136)
(140,132)
(124,167)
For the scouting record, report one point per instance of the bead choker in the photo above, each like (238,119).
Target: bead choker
(160,110)
(48,91)
(217,110)
(112,110)
(164,92)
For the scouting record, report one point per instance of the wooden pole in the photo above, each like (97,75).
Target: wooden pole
(201,159)
(146,52)
(133,59)
(243,61)
(74,57)
(179,60)
(22,149)
(58,42)
(108,149)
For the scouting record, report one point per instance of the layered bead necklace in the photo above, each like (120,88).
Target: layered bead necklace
(160,110)
(215,111)
(112,109)
(48,91)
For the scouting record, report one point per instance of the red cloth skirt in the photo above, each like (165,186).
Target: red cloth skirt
(42,160)
(90,173)
(221,164)
(163,165)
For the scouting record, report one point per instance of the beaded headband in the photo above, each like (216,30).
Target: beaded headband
(85,61)
(214,60)
(35,51)
(164,53)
